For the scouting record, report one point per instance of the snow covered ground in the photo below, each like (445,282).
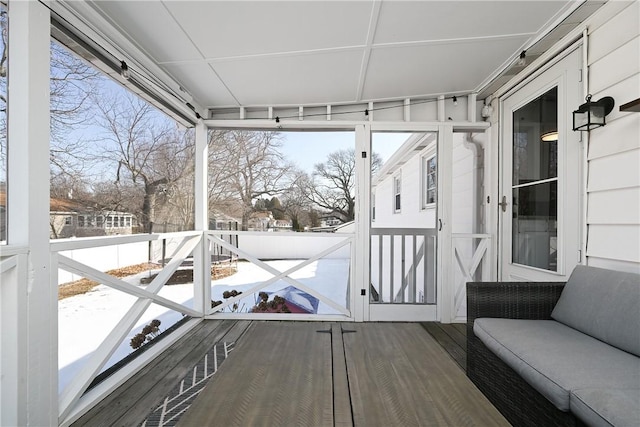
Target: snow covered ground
(84,321)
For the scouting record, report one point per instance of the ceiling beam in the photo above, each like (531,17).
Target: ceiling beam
(366,55)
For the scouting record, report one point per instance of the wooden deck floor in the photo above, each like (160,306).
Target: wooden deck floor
(314,374)
(310,374)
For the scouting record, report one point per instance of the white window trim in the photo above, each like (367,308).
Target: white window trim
(397,193)
(424,205)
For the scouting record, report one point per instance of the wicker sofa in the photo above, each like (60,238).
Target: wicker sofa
(558,354)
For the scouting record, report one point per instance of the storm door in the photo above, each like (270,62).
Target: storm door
(540,203)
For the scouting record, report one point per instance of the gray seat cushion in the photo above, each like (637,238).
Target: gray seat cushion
(607,407)
(604,304)
(556,359)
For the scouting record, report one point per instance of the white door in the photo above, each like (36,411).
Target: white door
(540,183)
(403,232)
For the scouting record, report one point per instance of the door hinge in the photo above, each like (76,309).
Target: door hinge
(363,292)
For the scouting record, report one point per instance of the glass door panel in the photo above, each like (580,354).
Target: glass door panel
(535,182)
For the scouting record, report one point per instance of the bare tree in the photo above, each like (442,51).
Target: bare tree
(250,167)
(296,203)
(332,183)
(147,152)
(72,84)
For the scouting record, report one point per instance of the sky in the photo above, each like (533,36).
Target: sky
(308,148)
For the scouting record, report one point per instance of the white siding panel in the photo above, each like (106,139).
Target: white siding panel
(619,65)
(623,92)
(616,32)
(613,199)
(618,242)
(615,207)
(615,172)
(621,136)
(614,264)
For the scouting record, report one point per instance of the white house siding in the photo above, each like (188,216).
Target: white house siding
(464,210)
(613,186)
(411,214)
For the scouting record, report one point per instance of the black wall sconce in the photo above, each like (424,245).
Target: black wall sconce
(591,115)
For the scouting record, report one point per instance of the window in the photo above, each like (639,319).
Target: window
(429,181)
(80,220)
(397,186)
(99,221)
(373,206)
(535,184)
(110,221)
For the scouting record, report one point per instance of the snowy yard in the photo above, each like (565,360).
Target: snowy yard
(86,320)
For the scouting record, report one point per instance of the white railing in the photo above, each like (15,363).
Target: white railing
(84,258)
(309,248)
(403,266)
(13,279)
(188,245)
(470,252)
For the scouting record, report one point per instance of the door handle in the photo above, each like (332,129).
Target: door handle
(503,204)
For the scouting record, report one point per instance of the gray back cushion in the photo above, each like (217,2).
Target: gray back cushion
(604,304)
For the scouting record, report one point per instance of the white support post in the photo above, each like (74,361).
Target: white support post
(28,210)
(270,115)
(360,307)
(243,112)
(201,258)
(445,276)
(407,110)
(300,113)
(441,110)
(328,112)
(370,111)
(471,107)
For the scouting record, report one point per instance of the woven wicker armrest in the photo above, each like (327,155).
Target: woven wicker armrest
(512,300)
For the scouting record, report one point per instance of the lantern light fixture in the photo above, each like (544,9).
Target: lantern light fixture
(591,115)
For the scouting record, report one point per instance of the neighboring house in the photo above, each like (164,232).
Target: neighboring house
(69,218)
(404,190)
(259,221)
(264,221)
(330,220)
(220,221)
(281,225)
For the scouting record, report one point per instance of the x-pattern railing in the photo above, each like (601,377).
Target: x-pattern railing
(277,274)
(74,390)
(468,268)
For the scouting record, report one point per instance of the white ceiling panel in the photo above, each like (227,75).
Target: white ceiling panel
(434,68)
(224,29)
(402,21)
(150,26)
(202,83)
(293,80)
(309,52)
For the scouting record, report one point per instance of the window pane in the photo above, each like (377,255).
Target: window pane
(535,225)
(533,158)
